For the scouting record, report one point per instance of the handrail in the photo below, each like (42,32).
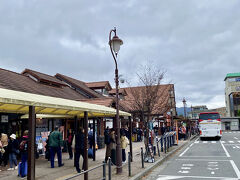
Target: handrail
(89,170)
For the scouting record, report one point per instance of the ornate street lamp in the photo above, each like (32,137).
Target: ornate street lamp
(115,43)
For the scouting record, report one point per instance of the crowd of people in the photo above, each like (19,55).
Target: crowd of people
(12,148)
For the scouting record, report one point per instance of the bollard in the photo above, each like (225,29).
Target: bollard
(129,164)
(161,144)
(109,169)
(167,142)
(104,170)
(158,149)
(165,145)
(142,157)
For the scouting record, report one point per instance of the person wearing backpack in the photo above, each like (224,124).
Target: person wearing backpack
(23,147)
(55,145)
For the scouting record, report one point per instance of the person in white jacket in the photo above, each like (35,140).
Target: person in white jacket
(124,144)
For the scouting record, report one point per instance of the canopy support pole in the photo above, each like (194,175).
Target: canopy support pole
(130,136)
(31,143)
(94,139)
(85,144)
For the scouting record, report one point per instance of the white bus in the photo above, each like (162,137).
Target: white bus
(210,125)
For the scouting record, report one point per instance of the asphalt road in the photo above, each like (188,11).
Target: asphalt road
(207,159)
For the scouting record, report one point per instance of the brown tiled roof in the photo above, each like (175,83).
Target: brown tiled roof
(100,84)
(161,107)
(43,77)
(101,101)
(78,84)
(19,82)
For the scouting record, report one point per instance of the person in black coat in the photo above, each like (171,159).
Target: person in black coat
(13,149)
(78,146)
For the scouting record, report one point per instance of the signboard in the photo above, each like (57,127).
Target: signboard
(4,118)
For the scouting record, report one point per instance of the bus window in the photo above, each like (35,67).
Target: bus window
(209,116)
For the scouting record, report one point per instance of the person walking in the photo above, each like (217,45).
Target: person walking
(69,143)
(78,146)
(13,151)
(55,146)
(23,147)
(4,140)
(124,144)
(111,146)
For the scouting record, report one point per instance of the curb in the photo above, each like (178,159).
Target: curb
(160,161)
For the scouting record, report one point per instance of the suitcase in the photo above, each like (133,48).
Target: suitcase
(20,167)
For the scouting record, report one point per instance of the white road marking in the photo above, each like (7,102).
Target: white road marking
(235,138)
(212,165)
(239,141)
(191,145)
(167,177)
(205,142)
(205,156)
(230,132)
(212,172)
(212,169)
(185,168)
(201,160)
(238,147)
(231,141)
(213,142)
(184,152)
(183,172)
(225,150)
(188,165)
(212,162)
(196,142)
(222,141)
(235,168)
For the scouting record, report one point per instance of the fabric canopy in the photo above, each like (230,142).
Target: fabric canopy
(18,102)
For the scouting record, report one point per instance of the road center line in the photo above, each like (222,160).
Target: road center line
(184,152)
(225,149)
(235,169)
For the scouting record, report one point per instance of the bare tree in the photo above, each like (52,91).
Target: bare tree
(146,99)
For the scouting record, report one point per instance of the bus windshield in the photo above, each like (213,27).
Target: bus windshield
(209,116)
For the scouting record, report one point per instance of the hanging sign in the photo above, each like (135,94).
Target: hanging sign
(4,119)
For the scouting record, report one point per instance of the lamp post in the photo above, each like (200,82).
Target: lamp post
(184,106)
(115,43)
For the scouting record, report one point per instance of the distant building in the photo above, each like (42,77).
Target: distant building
(196,110)
(232,94)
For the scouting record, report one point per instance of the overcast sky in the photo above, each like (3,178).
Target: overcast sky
(196,41)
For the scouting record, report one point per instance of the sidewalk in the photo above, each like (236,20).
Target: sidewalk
(43,170)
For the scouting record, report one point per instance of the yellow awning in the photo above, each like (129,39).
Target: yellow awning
(18,102)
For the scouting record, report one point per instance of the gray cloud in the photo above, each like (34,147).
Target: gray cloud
(197,42)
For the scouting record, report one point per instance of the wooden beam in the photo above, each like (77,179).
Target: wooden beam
(94,137)
(85,144)
(130,136)
(31,143)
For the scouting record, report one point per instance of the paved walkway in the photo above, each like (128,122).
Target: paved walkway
(43,170)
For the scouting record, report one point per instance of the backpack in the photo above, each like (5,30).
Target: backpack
(23,146)
(107,138)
